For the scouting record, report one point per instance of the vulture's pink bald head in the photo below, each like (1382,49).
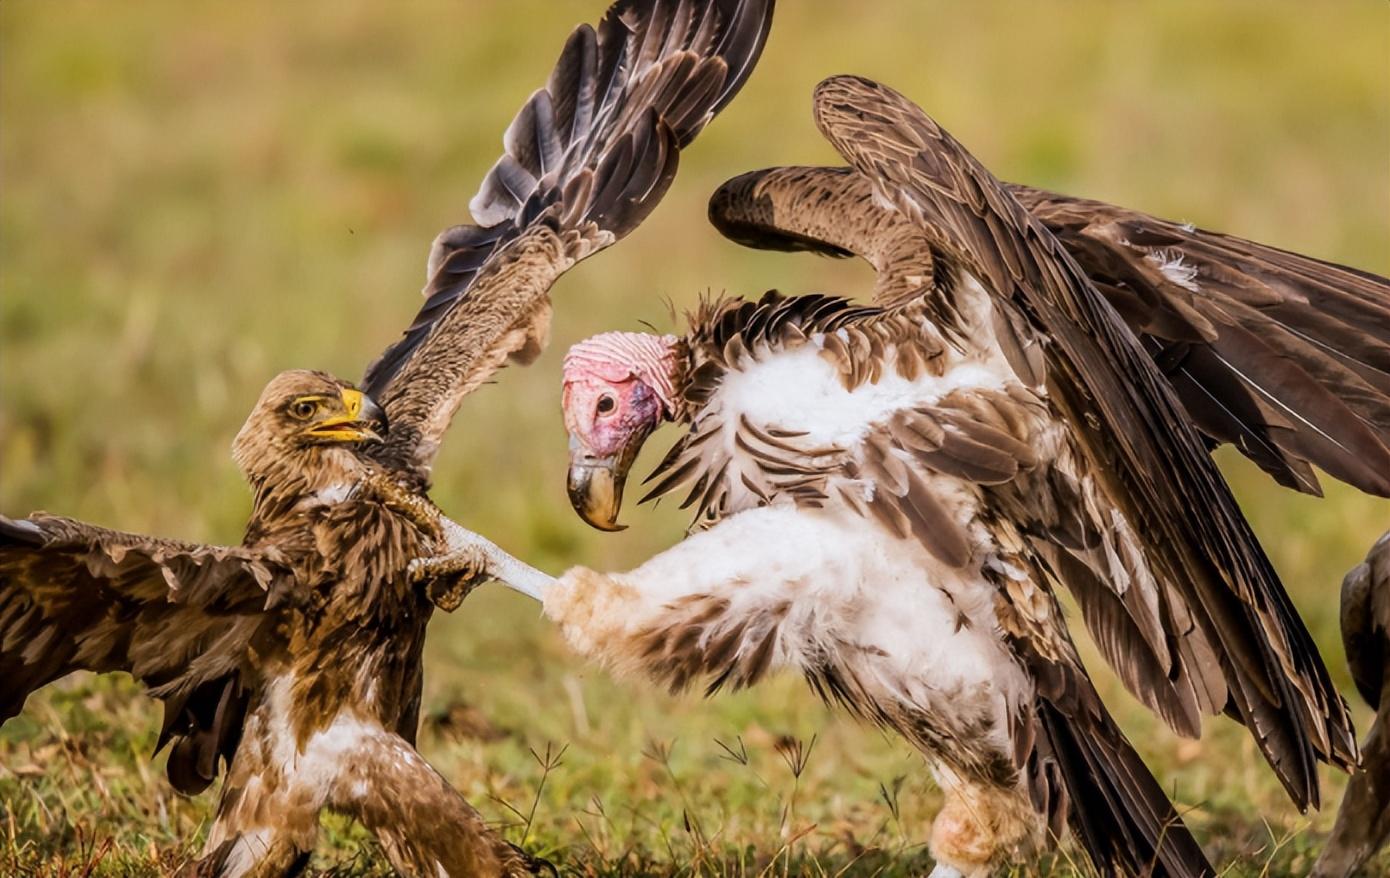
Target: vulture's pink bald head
(619,387)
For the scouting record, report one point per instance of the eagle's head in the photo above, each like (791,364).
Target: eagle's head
(307,425)
(619,387)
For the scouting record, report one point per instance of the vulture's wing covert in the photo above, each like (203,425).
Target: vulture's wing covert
(1152,462)
(1285,357)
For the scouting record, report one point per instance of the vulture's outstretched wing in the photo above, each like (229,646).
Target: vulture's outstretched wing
(176,616)
(587,159)
(1142,445)
(1283,356)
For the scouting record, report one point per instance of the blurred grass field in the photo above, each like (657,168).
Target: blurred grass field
(196,198)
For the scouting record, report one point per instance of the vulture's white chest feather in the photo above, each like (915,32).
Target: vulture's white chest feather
(833,592)
(798,390)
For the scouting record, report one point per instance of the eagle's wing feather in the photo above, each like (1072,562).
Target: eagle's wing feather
(587,159)
(1284,356)
(176,616)
(1153,462)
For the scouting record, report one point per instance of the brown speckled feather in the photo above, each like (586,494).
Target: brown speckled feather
(1153,463)
(177,616)
(587,159)
(1284,356)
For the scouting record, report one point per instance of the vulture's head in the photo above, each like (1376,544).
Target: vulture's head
(619,387)
(306,420)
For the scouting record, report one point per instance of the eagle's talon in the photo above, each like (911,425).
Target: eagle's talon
(450,578)
(448,593)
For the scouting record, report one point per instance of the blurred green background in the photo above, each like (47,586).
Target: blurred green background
(197,196)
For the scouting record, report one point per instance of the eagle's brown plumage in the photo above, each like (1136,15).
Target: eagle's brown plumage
(295,657)
(587,158)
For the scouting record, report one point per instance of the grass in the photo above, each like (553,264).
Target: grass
(194,199)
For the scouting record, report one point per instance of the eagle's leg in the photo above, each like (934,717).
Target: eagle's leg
(268,818)
(263,829)
(423,824)
(448,579)
(290,766)
(466,560)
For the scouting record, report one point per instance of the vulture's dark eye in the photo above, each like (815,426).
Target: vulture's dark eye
(303,408)
(606,404)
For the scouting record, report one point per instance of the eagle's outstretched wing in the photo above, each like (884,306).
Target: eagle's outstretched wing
(176,616)
(587,159)
(1142,445)
(1283,356)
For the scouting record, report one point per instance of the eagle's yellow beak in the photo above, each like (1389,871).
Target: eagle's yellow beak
(359,421)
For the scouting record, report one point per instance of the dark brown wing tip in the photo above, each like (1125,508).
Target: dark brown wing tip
(684,61)
(847,97)
(20,532)
(742,209)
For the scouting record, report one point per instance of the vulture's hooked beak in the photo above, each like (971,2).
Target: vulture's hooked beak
(362,420)
(596,483)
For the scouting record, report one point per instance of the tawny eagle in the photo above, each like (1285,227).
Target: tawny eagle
(888,495)
(295,657)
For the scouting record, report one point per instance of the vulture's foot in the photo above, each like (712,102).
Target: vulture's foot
(470,558)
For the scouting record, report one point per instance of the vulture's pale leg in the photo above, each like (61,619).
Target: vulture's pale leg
(469,556)
(980,827)
(764,588)
(729,603)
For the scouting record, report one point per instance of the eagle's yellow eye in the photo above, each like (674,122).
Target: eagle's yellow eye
(304,408)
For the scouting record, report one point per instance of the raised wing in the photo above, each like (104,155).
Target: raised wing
(1284,356)
(176,616)
(1141,444)
(587,159)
